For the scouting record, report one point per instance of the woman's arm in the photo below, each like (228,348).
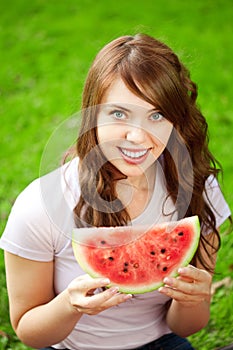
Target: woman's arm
(35,312)
(191,295)
(40,318)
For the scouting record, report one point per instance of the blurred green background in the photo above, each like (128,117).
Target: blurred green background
(46,48)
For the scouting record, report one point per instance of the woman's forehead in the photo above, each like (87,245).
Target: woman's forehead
(119,94)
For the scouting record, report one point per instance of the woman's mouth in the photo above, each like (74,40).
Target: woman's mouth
(136,156)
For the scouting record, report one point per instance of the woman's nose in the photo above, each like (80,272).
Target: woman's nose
(135,135)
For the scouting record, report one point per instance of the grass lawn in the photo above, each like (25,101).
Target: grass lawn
(46,48)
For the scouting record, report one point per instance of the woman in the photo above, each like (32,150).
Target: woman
(141,157)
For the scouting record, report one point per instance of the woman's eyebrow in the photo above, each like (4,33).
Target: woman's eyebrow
(117,106)
(122,107)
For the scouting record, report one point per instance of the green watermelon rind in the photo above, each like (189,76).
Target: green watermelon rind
(190,221)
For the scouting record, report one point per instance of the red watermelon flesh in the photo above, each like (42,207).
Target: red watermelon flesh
(135,258)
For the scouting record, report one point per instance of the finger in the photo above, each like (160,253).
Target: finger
(109,297)
(99,302)
(185,278)
(186,287)
(117,299)
(188,299)
(84,284)
(195,274)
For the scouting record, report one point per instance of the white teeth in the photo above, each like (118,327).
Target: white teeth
(133,154)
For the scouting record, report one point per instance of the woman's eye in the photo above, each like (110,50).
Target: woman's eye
(118,114)
(156,116)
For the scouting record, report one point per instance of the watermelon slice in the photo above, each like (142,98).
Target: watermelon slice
(137,258)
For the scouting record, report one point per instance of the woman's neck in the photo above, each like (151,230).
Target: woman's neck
(145,182)
(135,192)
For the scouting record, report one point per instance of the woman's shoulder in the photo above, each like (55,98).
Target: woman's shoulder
(61,183)
(52,197)
(42,215)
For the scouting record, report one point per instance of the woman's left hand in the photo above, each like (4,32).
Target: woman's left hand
(190,288)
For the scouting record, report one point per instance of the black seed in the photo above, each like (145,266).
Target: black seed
(165,268)
(180,233)
(103,242)
(163,250)
(126,264)
(110,258)
(152,252)
(125,270)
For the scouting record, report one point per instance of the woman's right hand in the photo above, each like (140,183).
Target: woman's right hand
(85,300)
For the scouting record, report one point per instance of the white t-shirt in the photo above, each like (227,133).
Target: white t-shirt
(39,228)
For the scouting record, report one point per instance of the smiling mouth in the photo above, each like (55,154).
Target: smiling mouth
(134,155)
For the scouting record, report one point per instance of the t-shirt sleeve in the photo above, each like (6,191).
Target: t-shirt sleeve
(28,230)
(216,200)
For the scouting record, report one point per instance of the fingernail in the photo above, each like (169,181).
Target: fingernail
(114,290)
(127,296)
(167,280)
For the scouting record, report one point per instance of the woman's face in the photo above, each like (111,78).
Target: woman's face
(131,132)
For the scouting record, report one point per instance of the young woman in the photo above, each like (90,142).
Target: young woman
(141,157)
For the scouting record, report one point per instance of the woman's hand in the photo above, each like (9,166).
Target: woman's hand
(85,298)
(189,310)
(190,288)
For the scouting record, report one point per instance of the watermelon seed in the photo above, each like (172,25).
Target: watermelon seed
(152,252)
(136,265)
(163,250)
(125,270)
(126,264)
(181,233)
(103,242)
(165,268)
(110,258)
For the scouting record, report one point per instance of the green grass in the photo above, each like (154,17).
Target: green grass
(46,48)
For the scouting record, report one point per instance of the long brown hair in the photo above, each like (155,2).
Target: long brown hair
(152,71)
